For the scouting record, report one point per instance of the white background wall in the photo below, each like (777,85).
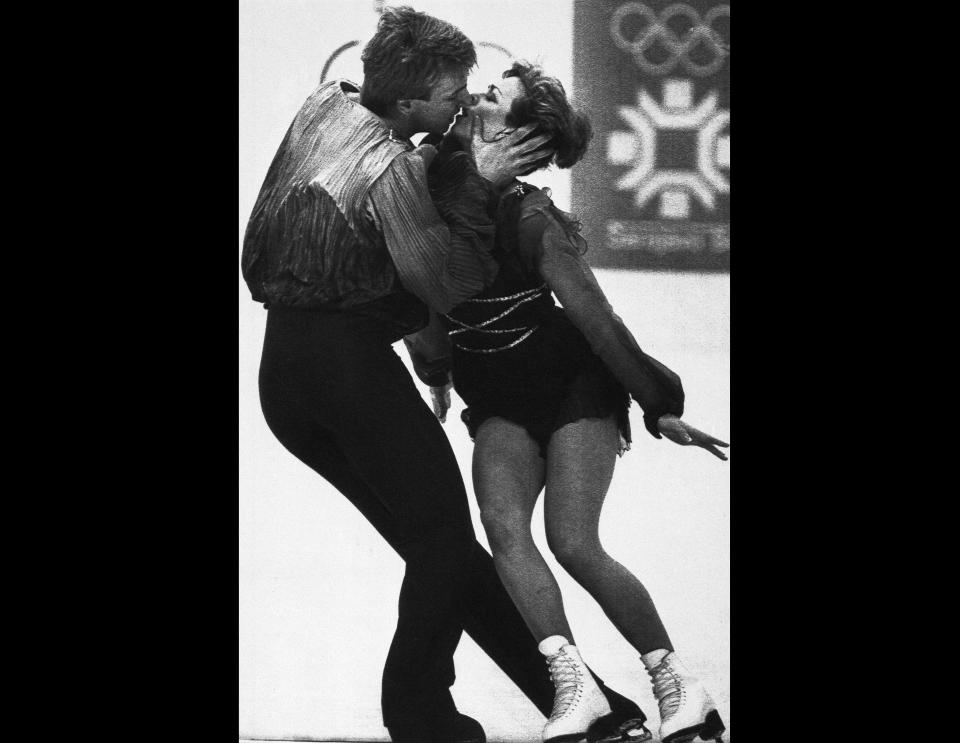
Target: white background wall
(317,588)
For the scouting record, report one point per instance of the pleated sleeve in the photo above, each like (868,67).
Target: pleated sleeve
(441,264)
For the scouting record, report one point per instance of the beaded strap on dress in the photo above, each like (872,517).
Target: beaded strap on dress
(521,298)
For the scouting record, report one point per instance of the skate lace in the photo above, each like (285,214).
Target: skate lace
(667,688)
(566,680)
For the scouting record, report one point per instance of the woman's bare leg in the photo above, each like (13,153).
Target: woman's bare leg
(508,475)
(580,462)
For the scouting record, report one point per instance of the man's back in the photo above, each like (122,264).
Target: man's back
(308,243)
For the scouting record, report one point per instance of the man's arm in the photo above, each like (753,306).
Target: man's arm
(442,264)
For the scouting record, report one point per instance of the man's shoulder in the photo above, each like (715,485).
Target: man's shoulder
(332,99)
(345,129)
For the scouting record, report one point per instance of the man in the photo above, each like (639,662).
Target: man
(347,253)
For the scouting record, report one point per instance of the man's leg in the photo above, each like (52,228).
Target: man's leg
(433,539)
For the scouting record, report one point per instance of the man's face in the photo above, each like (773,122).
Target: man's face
(447,95)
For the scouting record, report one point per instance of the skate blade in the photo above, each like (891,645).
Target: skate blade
(629,731)
(709,731)
(630,736)
(568,738)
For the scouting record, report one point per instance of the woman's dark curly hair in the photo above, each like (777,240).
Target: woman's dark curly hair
(545,102)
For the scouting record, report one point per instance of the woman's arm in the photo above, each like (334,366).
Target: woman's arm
(656,388)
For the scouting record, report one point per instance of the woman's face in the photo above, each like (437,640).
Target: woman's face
(492,106)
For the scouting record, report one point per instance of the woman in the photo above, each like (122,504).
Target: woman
(547,393)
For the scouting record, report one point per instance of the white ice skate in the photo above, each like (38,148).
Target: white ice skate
(686,710)
(578,702)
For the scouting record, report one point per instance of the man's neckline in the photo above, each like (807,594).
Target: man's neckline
(353,96)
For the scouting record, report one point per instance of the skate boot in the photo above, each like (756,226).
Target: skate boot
(686,710)
(578,703)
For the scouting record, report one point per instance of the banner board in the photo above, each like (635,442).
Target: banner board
(653,191)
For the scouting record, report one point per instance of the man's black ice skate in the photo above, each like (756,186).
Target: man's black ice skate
(461,729)
(458,729)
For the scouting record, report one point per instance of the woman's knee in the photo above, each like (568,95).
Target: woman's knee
(575,550)
(507,528)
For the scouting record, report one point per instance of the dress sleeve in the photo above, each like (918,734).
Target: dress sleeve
(441,264)
(429,351)
(557,256)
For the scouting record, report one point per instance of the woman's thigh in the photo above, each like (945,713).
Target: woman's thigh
(581,458)
(508,475)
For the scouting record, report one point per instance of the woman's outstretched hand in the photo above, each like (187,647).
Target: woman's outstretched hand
(682,433)
(441,401)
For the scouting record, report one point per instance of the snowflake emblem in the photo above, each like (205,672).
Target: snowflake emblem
(650,122)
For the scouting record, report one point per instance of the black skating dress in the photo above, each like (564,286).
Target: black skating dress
(514,353)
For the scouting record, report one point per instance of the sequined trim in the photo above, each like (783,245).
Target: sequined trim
(500,348)
(527,295)
(487,330)
(512,296)
(481,327)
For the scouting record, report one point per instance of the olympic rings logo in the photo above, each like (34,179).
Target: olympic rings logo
(657,30)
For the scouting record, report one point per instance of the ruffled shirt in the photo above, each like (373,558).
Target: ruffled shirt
(344,221)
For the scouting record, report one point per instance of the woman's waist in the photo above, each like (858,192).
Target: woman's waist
(542,324)
(491,325)
(510,301)
(550,347)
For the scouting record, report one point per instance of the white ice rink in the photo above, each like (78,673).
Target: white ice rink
(317,587)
